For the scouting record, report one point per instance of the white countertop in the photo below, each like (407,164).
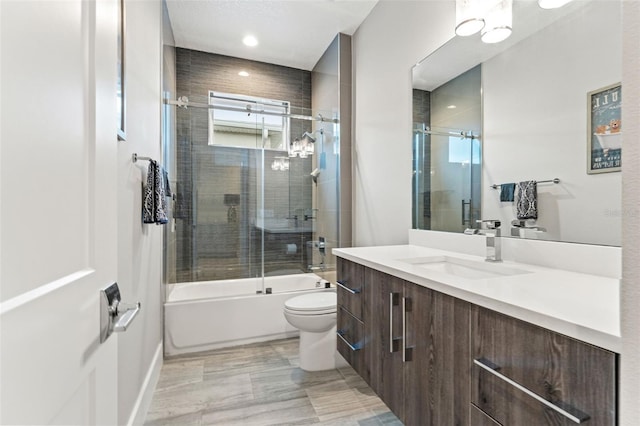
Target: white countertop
(582,306)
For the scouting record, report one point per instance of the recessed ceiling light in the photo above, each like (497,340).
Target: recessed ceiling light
(250,41)
(243,74)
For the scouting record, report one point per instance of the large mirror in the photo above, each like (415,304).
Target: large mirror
(531,108)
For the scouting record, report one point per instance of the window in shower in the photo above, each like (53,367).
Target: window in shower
(236,118)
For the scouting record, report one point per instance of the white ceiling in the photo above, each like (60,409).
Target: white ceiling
(293,33)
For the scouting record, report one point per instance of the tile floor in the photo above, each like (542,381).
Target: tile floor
(261,384)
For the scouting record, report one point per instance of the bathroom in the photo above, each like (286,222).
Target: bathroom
(381,199)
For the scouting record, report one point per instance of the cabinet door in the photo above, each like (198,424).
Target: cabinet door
(537,367)
(383,330)
(437,369)
(351,287)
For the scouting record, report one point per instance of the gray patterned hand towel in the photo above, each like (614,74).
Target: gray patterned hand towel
(154,204)
(527,205)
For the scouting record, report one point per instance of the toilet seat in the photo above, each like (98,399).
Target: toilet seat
(321,303)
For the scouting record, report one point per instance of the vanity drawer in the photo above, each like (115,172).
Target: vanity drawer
(525,375)
(351,340)
(351,287)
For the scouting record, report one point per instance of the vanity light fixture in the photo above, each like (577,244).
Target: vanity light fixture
(243,73)
(552,4)
(250,41)
(469,17)
(498,21)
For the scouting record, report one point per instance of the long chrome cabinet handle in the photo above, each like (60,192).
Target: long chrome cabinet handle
(354,348)
(350,290)
(404,329)
(569,412)
(393,300)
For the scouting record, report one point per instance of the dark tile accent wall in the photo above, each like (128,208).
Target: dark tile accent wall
(217,241)
(422,189)
(421,106)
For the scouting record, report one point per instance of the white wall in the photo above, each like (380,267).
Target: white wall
(390,41)
(535,124)
(139,246)
(630,294)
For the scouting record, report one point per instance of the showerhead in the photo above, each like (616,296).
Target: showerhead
(308,136)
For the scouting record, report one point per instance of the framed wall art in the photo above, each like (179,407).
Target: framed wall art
(604,130)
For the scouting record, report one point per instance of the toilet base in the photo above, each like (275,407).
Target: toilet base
(318,351)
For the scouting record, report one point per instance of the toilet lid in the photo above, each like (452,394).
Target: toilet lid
(326,300)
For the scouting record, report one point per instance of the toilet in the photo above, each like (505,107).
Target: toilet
(314,315)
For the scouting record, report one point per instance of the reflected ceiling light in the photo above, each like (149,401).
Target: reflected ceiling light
(498,21)
(243,73)
(552,4)
(250,41)
(451,107)
(469,17)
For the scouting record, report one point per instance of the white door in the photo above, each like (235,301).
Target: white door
(58,210)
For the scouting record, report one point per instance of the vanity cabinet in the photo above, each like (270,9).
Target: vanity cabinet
(351,291)
(524,374)
(438,360)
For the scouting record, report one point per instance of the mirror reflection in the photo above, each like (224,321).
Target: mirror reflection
(528,103)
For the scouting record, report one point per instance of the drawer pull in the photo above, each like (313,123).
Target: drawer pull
(569,412)
(354,348)
(344,287)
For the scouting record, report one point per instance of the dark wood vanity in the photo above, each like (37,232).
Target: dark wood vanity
(438,360)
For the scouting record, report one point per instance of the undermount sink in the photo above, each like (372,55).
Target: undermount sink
(463,268)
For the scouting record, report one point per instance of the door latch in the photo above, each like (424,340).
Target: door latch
(114,314)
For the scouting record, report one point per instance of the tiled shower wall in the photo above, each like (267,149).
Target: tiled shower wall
(209,246)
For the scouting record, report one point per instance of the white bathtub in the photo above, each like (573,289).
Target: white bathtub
(215,314)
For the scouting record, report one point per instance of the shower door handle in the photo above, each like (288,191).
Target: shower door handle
(466,219)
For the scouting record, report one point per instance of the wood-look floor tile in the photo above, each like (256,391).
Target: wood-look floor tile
(292,411)
(195,397)
(191,419)
(289,379)
(179,373)
(261,384)
(341,405)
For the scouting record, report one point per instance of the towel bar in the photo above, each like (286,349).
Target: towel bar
(135,157)
(554,180)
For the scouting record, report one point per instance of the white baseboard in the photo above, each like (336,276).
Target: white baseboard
(139,412)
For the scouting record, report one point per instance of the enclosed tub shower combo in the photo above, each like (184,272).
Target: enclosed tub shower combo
(252,221)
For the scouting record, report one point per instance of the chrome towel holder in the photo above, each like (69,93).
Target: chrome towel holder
(135,157)
(554,180)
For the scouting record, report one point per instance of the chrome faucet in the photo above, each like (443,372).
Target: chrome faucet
(492,233)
